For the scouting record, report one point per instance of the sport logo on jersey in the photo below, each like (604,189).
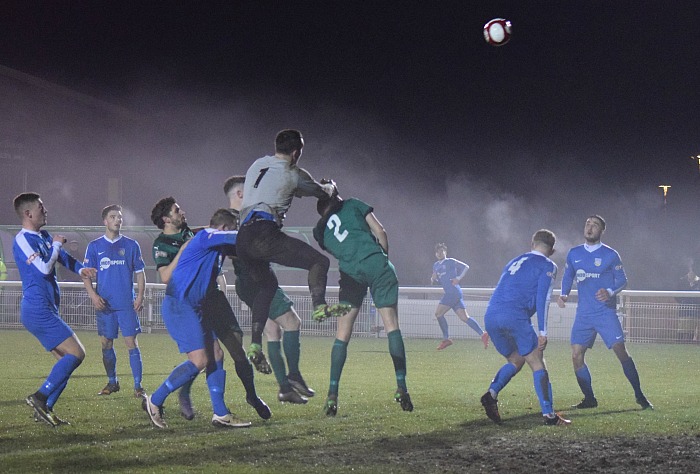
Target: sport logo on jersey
(105,263)
(582,275)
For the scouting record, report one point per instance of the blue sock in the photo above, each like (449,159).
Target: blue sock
(59,375)
(583,377)
(216,381)
(53,398)
(472,323)
(442,322)
(543,389)
(632,375)
(181,375)
(136,366)
(109,359)
(502,378)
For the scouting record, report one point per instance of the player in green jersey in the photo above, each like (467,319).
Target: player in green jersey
(350,232)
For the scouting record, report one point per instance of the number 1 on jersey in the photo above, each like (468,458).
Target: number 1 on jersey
(260,176)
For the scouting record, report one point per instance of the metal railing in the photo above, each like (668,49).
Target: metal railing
(647,316)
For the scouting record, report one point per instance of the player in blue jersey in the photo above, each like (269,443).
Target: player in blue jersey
(283,326)
(448,272)
(36,253)
(600,277)
(118,259)
(171,219)
(525,288)
(190,283)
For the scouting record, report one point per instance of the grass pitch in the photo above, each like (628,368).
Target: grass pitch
(447,431)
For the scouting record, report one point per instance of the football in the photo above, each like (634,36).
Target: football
(497,31)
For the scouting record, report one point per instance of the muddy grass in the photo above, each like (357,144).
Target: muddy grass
(511,454)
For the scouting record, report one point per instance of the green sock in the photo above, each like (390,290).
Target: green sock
(292,350)
(274,357)
(338,355)
(398,355)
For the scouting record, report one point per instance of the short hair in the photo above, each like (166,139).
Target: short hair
(110,208)
(546,237)
(23,200)
(326,206)
(287,141)
(232,182)
(441,246)
(160,210)
(596,216)
(223,217)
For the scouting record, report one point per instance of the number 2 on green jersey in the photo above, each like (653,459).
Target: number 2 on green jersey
(334,223)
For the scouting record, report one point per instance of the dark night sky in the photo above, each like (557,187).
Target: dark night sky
(588,109)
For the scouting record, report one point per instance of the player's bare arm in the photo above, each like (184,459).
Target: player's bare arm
(140,289)
(378,231)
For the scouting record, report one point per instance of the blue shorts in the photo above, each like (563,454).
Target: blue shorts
(453,299)
(586,327)
(45,324)
(510,332)
(184,324)
(109,323)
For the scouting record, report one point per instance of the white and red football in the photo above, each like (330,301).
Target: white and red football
(497,31)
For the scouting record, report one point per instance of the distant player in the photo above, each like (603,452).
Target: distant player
(36,253)
(525,288)
(448,272)
(600,277)
(118,259)
(191,280)
(282,327)
(271,184)
(172,220)
(350,232)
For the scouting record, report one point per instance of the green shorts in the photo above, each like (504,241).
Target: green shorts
(281,303)
(378,274)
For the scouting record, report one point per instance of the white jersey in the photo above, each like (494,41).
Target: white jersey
(270,185)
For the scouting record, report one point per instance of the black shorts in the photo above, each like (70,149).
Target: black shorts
(218,315)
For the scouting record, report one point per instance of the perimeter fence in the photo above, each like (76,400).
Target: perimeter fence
(646,316)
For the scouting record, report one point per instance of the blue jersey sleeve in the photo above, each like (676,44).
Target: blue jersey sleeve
(545,284)
(619,275)
(567,280)
(221,238)
(68,261)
